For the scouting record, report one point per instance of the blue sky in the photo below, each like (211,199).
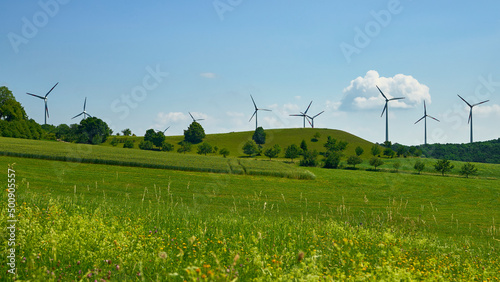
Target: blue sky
(146,64)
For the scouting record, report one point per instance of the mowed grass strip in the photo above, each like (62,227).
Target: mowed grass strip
(84,153)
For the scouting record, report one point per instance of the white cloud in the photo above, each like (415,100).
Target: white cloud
(362,92)
(209,75)
(486,110)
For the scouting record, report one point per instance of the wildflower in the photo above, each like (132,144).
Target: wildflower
(117,267)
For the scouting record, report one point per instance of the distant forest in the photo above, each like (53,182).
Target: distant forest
(482,152)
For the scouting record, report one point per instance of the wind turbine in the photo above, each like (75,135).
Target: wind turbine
(303,114)
(44,98)
(84,113)
(165,130)
(386,110)
(194,120)
(470,115)
(255,113)
(425,122)
(312,119)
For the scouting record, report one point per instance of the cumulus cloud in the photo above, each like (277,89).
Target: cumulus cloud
(362,92)
(209,75)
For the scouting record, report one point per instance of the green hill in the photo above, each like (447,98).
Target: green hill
(234,141)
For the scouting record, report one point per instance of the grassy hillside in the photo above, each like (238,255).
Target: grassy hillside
(175,225)
(284,137)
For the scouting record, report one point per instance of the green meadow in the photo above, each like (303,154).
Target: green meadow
(94,220)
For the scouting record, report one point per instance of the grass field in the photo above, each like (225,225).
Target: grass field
(348,224)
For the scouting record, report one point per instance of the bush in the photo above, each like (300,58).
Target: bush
(375,150)
(292,152)
(332,160)
(185,147)
(376,162)
(250,148)
(146,145)
(354,160)
(443,166)
(468,169)
(205,149)
(128,144)
(273,152)
(419,166)
(309,158)
(167,147)
(114,142)
(225,152)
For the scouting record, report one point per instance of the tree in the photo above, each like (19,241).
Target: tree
(167,147)
(309,158)
(387,144)
(259,136)
(114,142)
(128,144)
(354,160)
(389,152)
(127,132)
(146,145)
(443,166)
(332,160)
(10,109)
(376,162)
(224,151)
(359,151)
(195,133)
(250,148)
(157,138)
(375,150)
(401,151)
(93,130)
(316,136)
(215,150)
(468,169)
(332,145)
(185,147)
(205,149)
(303,146)
(273,152)
(292,152)
(419,166)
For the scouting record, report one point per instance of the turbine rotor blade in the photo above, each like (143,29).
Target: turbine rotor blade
(396,98)
(265,110)
(425,109)
(46,109)
(35,96)
(253,101)
(420,119)
(481,103)
(464,100)
(77,115)
(309,122)
(318,114)
(385,107)
(191,116)
(433,118)
(51,90)
(308,107)
(381,92)
(84,103)
(252,115)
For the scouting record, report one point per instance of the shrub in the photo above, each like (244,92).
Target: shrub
(205,149)
(128,144)
(332,160)
(309,158)
(167,147)
(114,142)
(359,151)
(354,160)
(419,166)
(225,152)
(273,152)
(468,169)
(443,166)
(292,152)
(250,148)
(376,162)
(146,145)
(185,147)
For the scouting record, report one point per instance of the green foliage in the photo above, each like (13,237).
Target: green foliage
(375,150)
(167,147)
(205,149)
(195,133)
(316,136)
(332,145)
(224,152)
(10,109)
(468,169)
(146,145)
(419,166)
(114,142)
(332,160)
(354,160)
(259,136)
(273,152)
(292,152)
(376,162)
(483,152)
(184,147)
(250,148)
(309,158)
(389,152)
(155,137)
(443,166)
(93,130)
(303,145)
(359,151)
(127,132)
(401,151)
(387,144)
(128,144)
